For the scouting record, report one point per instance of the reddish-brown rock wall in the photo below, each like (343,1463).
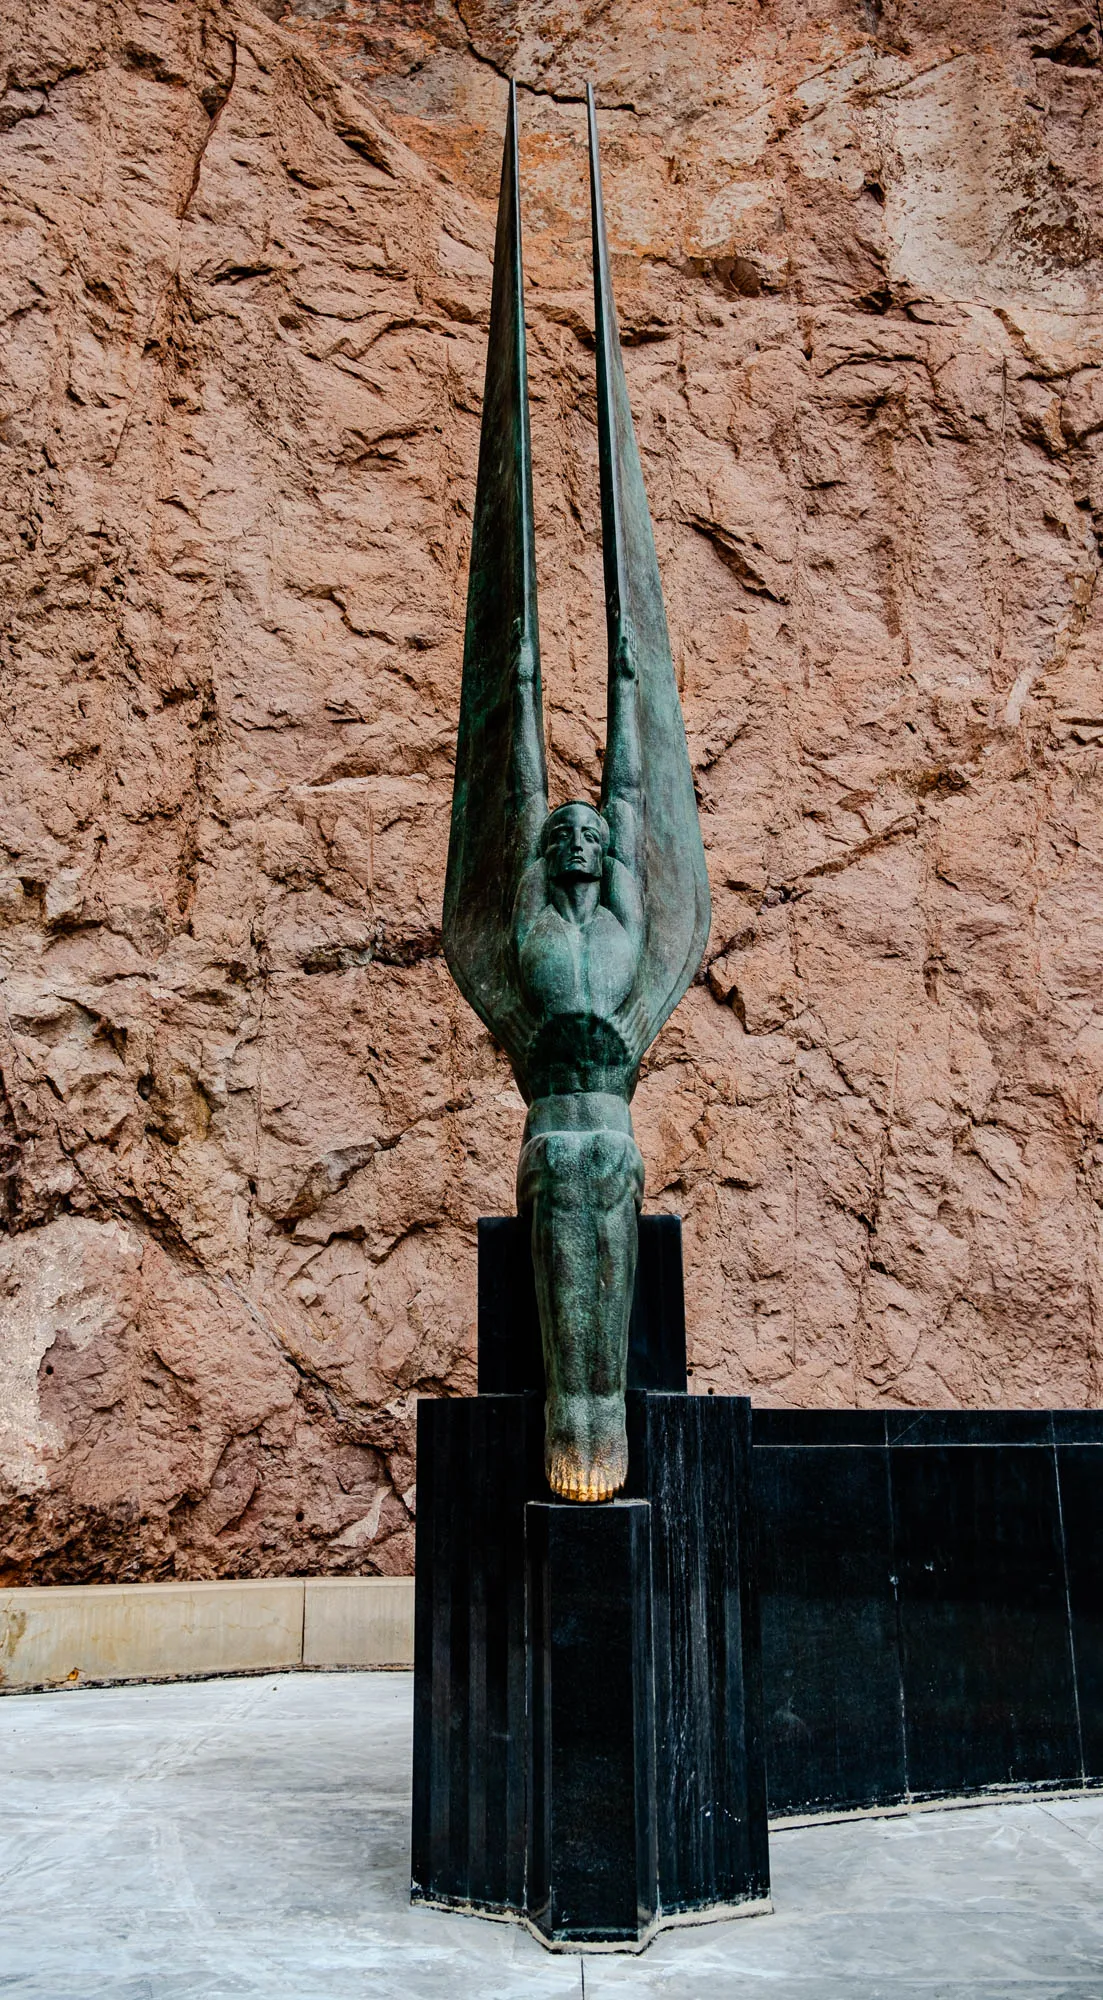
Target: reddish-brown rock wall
(246,1122)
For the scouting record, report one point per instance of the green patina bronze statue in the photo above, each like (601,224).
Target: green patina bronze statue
(573,933)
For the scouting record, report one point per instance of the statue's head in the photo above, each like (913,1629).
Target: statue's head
(574,842)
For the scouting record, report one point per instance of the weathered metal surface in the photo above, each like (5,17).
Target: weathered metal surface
(573,933)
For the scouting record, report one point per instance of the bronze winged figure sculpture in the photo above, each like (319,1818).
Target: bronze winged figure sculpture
(573,933)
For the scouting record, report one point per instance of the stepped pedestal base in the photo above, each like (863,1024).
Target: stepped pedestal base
(588,1749)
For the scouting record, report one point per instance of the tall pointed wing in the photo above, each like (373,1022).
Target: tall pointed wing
(499,798)
(675,885)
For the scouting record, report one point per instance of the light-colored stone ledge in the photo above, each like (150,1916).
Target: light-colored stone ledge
(64,1634)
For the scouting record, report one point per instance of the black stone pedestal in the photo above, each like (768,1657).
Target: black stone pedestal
(510,1358)
(592,1863)
(588,1742)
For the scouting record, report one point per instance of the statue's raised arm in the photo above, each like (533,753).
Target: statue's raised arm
(500,796)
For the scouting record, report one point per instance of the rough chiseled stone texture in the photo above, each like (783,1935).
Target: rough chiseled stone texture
(246,1122)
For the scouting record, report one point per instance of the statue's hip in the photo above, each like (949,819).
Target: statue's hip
(579,1151)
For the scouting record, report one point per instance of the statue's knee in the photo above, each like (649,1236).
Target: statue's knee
(616,1172)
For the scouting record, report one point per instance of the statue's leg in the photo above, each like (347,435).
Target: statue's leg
(584,1189)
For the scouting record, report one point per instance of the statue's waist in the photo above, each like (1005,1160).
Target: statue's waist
(578,1111)
(580,1055)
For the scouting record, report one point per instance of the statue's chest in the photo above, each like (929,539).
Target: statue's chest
(572,969)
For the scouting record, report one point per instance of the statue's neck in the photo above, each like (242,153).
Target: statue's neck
(576,900)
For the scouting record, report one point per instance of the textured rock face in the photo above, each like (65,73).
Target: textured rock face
(246,1122)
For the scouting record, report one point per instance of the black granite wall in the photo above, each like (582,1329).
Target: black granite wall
(931,1602)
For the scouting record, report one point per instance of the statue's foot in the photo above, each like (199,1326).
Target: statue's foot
(574,1475)
(587,1458)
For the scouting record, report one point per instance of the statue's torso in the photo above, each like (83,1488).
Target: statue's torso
(579,969)
(575,978)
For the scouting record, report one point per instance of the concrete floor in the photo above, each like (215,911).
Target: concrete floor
(249,1838)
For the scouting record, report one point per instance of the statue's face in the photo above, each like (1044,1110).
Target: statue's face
(575,845)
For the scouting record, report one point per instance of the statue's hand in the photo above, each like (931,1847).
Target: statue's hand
(624,662)
(526,661)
